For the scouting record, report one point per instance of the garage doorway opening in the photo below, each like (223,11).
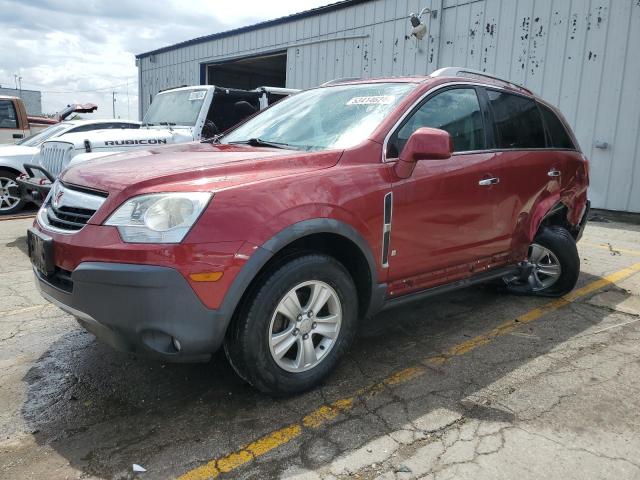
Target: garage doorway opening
(249,73)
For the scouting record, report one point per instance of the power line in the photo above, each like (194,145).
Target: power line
(111,87)
(88,91)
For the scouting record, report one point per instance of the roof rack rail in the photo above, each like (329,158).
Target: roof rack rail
(340,80)
(470,73)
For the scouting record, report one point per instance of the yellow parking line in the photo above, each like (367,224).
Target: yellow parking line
(611,248)
(17,311)
(325,413)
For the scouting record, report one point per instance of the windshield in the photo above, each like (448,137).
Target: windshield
(178,107)
(332,117)
(37,138)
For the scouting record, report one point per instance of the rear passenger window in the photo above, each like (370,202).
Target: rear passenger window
(557,131)
(517,120)
(456,111)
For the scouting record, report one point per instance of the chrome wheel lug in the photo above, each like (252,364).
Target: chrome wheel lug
(305,336)
(299,318)
(310,314)
(295,332)
(314,325)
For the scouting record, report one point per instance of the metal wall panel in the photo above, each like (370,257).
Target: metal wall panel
(578,54)
(32,99)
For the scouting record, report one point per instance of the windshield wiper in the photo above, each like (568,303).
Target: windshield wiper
(148,124)
(168,124)
(215,139)
(257,142)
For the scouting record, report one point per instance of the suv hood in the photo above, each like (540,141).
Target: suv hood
(126,138)
(191,167)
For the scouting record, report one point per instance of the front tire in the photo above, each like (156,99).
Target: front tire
(10,201)
(553,257)
(294,328)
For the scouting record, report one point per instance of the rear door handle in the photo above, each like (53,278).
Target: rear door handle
(485,182)
(553,173)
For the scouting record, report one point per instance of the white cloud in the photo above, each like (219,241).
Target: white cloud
(69,49)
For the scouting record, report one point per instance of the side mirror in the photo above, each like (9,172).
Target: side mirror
(423,144)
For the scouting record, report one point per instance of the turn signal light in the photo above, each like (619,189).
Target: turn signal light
(206,276)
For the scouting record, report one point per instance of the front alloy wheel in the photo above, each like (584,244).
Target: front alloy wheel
(294,325)
(304,326)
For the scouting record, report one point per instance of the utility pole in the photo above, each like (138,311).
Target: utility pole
(128,111)
(113,103)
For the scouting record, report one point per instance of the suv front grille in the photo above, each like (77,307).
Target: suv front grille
(69,218)
(68,209)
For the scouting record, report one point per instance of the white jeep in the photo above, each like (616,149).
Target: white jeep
(178,115)
(14,156)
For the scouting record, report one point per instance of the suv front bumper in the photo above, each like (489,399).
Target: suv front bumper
(138,308)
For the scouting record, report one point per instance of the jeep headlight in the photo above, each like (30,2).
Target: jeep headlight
(158,217)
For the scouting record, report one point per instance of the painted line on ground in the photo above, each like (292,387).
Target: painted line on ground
(325,413)
(611,248)
(17,217)
(18,311)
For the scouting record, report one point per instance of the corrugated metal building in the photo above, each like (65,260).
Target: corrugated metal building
(32,99)
(579,54)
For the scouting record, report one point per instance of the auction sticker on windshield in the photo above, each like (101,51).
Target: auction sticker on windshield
(373,100)
(197,95)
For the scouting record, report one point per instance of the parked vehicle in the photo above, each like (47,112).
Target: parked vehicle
(15,124)
(315,214)
(13,157)
(177,115)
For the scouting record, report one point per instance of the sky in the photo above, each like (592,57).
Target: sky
(80,52)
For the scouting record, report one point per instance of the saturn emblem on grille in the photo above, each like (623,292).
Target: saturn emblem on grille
(56,199)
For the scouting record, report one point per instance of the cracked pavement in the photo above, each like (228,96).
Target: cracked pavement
(557,397)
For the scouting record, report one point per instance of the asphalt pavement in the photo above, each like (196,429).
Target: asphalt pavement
(473,384)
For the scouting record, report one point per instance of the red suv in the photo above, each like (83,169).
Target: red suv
(275,239)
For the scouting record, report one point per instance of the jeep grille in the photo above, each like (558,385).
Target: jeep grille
(54,156)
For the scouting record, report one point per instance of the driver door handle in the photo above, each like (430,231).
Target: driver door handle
(553,173)
(486,182)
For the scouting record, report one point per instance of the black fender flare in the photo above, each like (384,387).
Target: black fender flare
(294,232)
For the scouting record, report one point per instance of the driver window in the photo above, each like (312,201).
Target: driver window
(456,111)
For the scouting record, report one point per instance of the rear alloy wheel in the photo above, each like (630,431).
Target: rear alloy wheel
(546,268)
(553,263)
(295,325)
(10,201)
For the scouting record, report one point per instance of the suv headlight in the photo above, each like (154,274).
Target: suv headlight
(158,217)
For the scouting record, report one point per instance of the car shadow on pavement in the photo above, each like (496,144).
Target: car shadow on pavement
(20,243)
(103,410)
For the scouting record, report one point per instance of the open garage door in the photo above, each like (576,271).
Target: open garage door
(249,73)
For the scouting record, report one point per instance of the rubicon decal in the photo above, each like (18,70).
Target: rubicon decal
(151,141)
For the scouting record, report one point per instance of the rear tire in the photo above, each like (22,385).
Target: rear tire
(295,326)
(10,201)
(556,264)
